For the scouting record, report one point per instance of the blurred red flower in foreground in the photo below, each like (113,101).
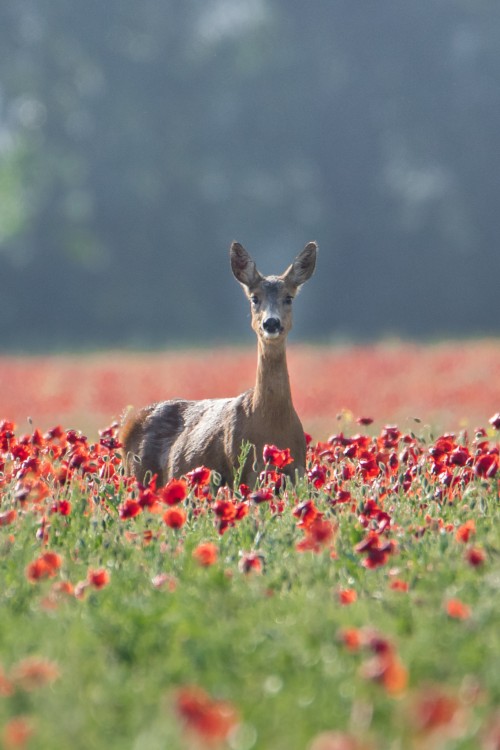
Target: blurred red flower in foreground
(34,672)
(336,741)
(98,578)
(376,550)
(250,561)
(205,554)
(475,556)
(465,531)
(212,720)
(347,596)
(45,566)
(457,609)
(435,710)
(16,733)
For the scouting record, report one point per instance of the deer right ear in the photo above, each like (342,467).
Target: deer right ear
(243,267)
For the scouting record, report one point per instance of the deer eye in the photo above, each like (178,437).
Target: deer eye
(254,299)
(288,299)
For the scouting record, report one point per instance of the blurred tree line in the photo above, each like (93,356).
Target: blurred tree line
(137,140)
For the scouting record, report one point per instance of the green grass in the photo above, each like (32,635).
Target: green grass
(269,642)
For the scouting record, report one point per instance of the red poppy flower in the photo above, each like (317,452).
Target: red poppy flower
(175,518)
(307,512)
(199,477)
(16,733)
(205,554)
(365,421)
(347,596)
(335,741)
(387,669)
(318,534)
(98,578)
(317,475)
(251,561)
(486,465)
(475,556)
(398,585)
(465,531)
(262,495)
(34,672)
(276,456)
(129,509)
(457,609)
(376,549)
(351,638)
(434,709)
(8,517)
(495,421)
(211,719)
(45,566)
(174,492)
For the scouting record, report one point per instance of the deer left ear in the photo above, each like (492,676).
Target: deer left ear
(303,266)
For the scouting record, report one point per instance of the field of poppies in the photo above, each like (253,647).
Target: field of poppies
(450,385)
(356,610)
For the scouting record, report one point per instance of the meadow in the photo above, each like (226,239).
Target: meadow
(356,610)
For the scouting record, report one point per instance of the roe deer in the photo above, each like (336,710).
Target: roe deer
(173,437)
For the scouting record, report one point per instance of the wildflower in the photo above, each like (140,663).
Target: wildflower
(16,733)
(398,585)
(457,609)
(486,465)
(174,492)
(6,686)
(434,709)
(205,554)
(164,580)
(465,531)
(211,719)
(335,741)
(317,475)
(262,495)
(364,421)
(250,561)
(306,512)
(199,477)
(318,534)
(386,668)
(63,507)
(98,578)
(175,518)
(347,596)
(277,457)
(495,421)
(351,638)
(129,509)
(377,551)
(45,566)
(475,556)
(147,494)
(34,672)
(8,517)
(226,514)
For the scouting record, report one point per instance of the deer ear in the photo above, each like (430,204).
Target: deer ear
(243,266)
(303,266)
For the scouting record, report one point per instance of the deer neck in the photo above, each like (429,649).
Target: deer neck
(272,395)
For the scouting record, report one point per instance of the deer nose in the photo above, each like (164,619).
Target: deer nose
(271,325)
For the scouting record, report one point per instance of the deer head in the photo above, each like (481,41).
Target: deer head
(271,297)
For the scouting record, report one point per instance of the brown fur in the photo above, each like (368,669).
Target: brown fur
(173,437)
